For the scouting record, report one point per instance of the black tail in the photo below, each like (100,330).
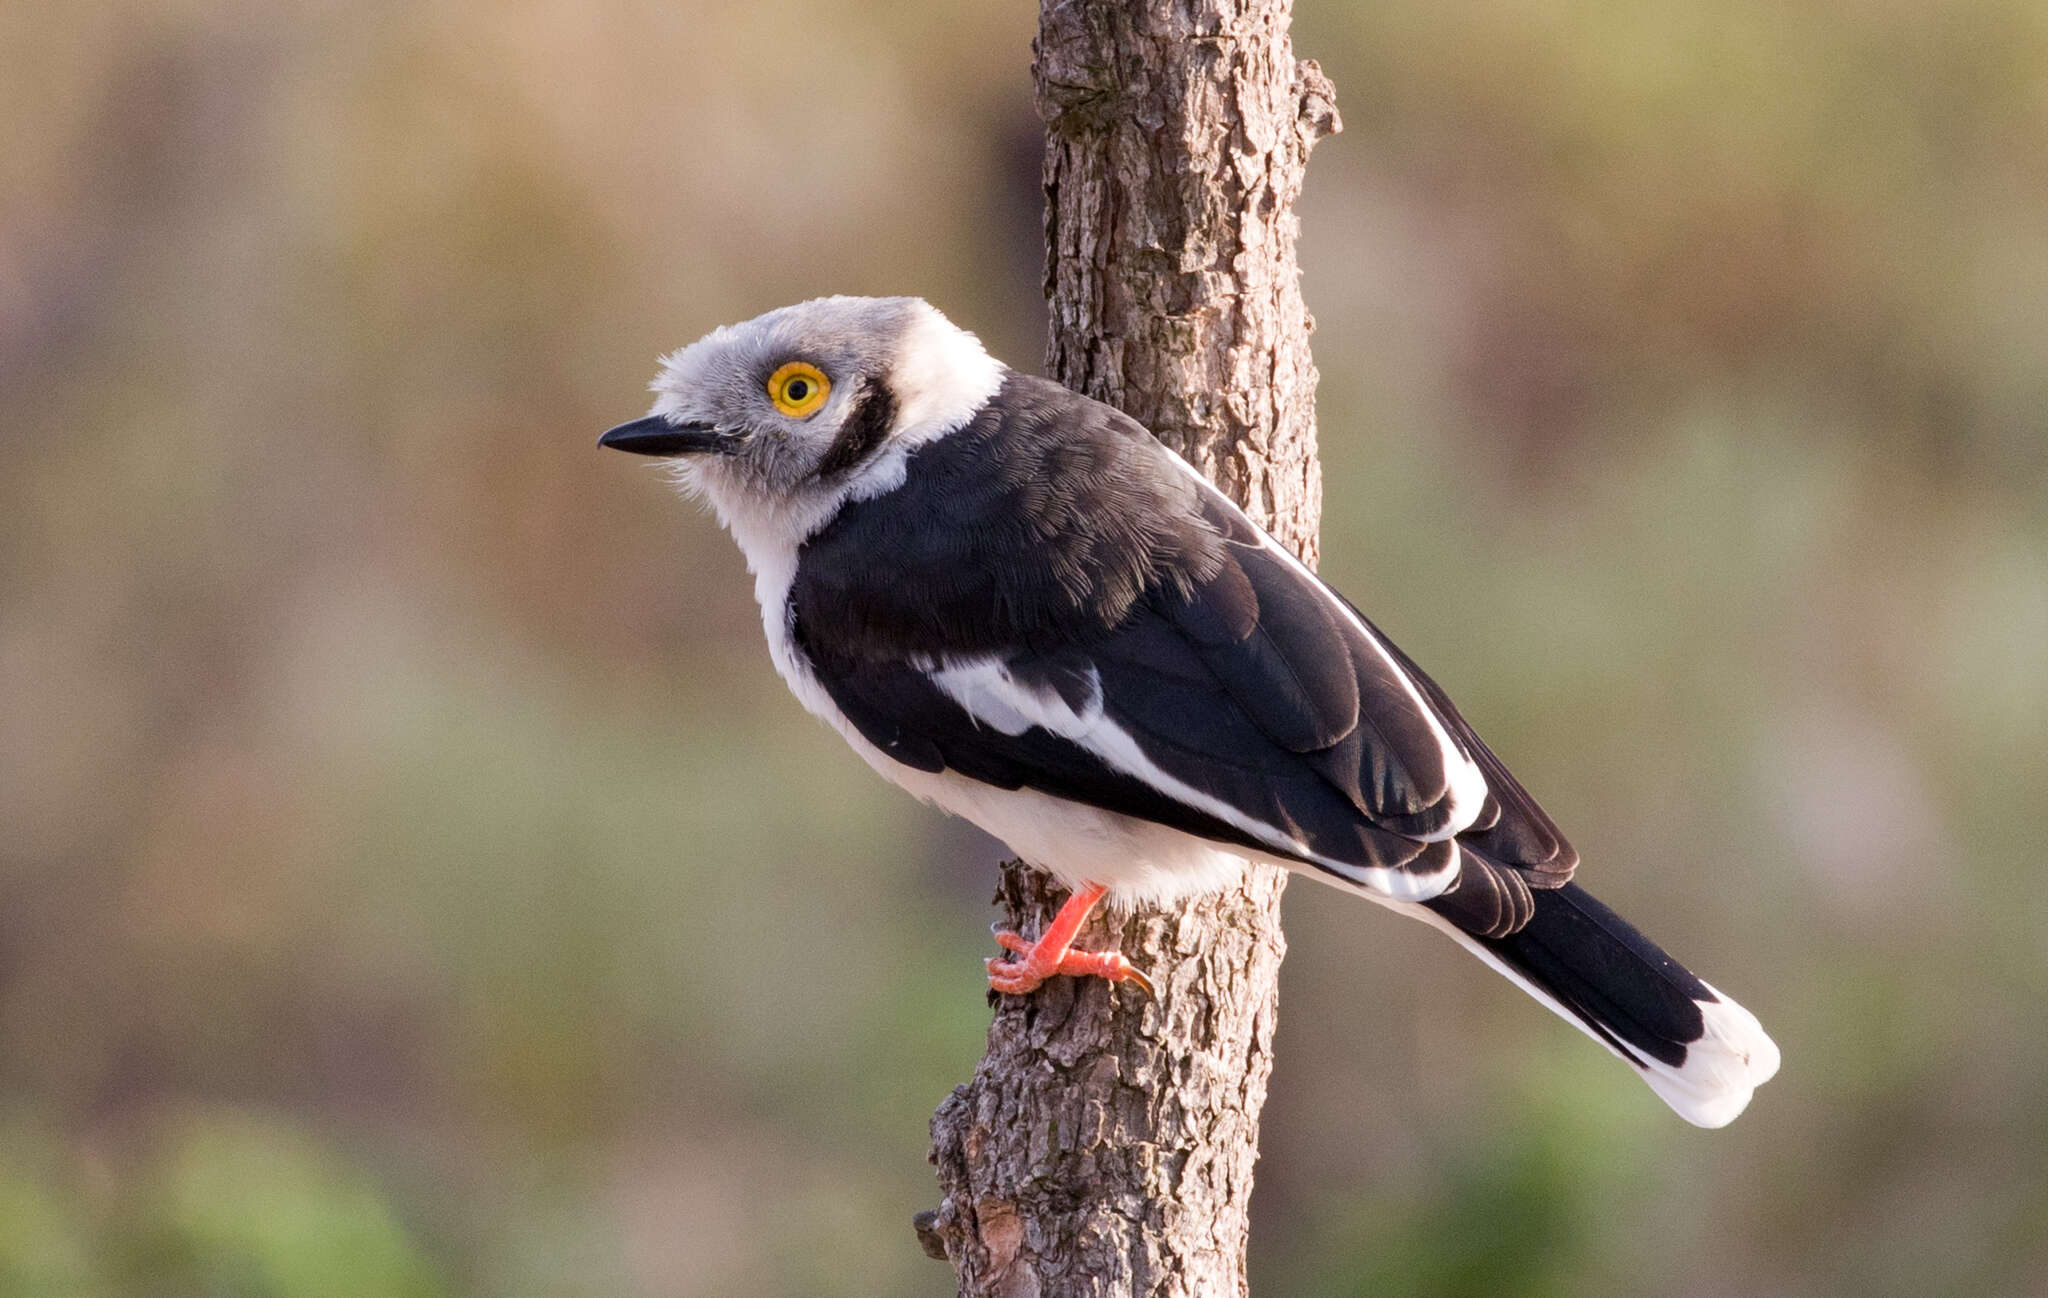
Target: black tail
(1700,1051)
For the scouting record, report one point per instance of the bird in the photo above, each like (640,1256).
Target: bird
(1018,605)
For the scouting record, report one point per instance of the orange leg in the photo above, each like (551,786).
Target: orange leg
(1053,952)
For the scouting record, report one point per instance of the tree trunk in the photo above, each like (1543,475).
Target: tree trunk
(1105,1145)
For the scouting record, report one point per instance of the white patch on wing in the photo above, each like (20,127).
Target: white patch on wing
(987,691)
(1141,863)
(1465,783)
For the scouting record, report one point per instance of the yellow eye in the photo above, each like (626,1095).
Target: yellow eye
(798,389)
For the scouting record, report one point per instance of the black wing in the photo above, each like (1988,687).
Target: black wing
(1082,616)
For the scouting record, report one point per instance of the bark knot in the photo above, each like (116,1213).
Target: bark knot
(1317,116)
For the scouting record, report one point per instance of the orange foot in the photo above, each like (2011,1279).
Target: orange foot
(1053,953)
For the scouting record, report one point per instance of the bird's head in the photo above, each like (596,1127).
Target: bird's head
(811,404)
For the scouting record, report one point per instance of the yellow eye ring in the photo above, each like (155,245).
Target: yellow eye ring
(798,389)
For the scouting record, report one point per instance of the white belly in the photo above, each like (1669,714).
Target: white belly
(1138,861)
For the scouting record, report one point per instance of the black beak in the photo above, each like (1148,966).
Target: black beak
(655,435)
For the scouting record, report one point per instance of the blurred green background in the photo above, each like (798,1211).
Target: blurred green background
(414,880)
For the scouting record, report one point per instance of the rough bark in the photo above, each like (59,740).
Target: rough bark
(1106,1143)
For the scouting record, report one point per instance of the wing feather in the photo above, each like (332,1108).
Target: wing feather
(1177,667)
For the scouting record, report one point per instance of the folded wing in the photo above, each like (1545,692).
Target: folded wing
(1226,692)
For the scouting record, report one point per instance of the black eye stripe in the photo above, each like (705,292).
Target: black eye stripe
(867,424)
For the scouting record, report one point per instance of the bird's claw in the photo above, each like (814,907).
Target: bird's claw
(1035,962)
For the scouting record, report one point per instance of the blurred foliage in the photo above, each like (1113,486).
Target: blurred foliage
(414,881)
